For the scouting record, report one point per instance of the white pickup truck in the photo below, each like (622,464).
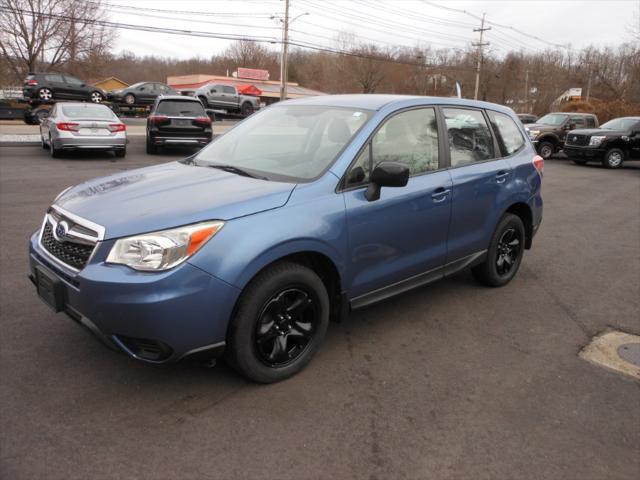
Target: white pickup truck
(226,97)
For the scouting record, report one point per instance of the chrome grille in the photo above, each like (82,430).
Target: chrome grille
(75,247)
(575,139)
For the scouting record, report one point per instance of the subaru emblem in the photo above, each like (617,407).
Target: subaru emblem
(61,231)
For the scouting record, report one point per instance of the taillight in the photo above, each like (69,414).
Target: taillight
(158,118)
(206,121)
(31,82)
(68,126)
(117,127)
(538,163)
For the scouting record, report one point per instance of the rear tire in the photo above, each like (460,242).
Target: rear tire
(247,109)
(505,253)
(546,149)
(151,148)
(129,99)
(45,94)
(281,320)
(43,143)
(120,153)
(613,158)
(53,151)
(96,97)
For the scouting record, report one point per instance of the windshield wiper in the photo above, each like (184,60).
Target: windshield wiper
(237,171)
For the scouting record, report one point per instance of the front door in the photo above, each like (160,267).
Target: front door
(400,239)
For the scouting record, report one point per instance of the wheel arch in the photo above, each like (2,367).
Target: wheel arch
(522,210)
(320,262)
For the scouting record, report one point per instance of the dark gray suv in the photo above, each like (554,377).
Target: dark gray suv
(549,132)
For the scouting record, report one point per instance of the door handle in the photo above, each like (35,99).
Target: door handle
(501,176)
(440,194)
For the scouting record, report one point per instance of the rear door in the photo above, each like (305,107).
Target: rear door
(479,178)
(57,84)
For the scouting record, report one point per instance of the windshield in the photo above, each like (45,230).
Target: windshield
(553,119)
(620,124)
(94,112)
(288,142)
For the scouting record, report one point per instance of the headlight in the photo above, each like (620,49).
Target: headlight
(534,133)
(596,140)
(162,250)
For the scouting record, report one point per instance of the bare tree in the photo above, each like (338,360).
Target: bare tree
(45,34)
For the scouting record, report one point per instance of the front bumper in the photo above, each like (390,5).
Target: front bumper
(153,317)
(583,152)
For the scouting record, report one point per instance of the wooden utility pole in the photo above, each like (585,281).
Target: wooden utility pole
(480,45)
(285,48)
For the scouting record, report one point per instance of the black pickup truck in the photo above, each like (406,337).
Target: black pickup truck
(611,144)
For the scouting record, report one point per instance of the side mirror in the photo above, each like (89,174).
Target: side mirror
(141,88)
(211,114)
(386,174)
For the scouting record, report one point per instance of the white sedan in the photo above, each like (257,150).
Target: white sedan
(83,126)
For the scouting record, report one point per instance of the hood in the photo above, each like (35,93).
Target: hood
(170,195)
(599,131)
(540,126)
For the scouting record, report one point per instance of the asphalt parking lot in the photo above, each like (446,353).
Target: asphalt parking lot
(451,381)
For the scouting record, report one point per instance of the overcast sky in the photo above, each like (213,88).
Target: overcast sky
(384,22)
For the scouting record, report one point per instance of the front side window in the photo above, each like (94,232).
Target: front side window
(590,122)
(470,139)
(577,121)
(231,90)
(507,133)
(286,142)
(53,78)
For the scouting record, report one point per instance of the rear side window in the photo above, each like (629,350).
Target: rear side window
(180,108)
(53,78)
(577,121)
(73,80)
(470,139)
(507,133)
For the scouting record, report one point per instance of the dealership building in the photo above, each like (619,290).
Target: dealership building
(246,80)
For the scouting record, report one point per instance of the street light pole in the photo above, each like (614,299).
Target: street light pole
(285,48)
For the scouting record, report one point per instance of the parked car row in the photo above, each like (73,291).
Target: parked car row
(174,121)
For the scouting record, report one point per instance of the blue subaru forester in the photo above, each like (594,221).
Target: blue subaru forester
(300,213)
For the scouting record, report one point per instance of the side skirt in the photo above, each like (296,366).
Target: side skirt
(417,280)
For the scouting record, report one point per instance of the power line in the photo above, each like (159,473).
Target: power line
(226,36)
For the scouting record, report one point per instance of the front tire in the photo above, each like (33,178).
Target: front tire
(505,253)
(281,320)
(129,99)
(546,149)
(613,158)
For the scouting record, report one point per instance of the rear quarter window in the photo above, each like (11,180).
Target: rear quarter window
(507,133)
(180,108)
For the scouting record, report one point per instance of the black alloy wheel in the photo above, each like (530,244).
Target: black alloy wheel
(504,256)
(509,247)
(280,321)
(285,327)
